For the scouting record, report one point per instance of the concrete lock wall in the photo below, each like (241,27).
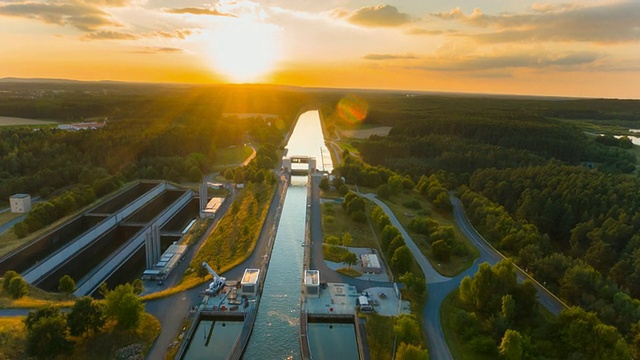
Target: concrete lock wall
(93,280)
(46,266)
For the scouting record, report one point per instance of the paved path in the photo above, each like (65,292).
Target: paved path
(439,286)
(429,271)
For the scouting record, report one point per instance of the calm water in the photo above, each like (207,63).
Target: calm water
(214,343)
(277,327)
(325,338)
(307,139)
(276,334)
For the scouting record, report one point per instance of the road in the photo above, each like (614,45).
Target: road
(439,286)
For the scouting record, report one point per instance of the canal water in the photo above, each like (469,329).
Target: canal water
(326,338)
(276,334)
(213,340)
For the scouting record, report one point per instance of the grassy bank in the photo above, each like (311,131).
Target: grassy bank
(233,241)
(404,214)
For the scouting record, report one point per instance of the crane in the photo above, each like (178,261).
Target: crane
(218,282)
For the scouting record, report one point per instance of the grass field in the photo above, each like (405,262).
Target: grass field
(454,266)
(233,155)
(335,222)
(7,216)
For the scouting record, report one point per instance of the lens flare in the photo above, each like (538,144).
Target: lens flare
(352,109)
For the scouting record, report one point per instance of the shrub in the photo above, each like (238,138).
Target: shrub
(413,204)
(18,287)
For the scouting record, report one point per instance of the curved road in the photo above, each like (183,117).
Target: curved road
(439,286)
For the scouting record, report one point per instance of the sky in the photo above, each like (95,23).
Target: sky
(586,48)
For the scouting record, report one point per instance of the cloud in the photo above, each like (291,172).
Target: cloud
(473,63)
(158,50)
(419,31)
(199,11)
(605,23)
(119,35)
(388,57)
(177,34)
(378,16)
(109,35)
(80,15)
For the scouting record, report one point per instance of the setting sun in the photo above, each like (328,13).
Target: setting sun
(243,51)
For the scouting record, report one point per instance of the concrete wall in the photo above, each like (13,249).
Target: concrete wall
(90,282)
(53,261)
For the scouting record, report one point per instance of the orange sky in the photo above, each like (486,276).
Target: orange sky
(590,49)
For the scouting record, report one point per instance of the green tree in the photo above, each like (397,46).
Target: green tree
(508,312)
(414,283)
(411,352)
(441,250)
(384,191)
(86,316)
(34,316)
(511,345)
(6,279)
(395,244)
(20,229)
(66,285)
(395,183)
(347,239)
(228,174)
(18,287)
(47,337)
(402,259)
(388,233)
(350,259)
(195,174)
(407,328)
(324,184)
(124,306)
(343,190)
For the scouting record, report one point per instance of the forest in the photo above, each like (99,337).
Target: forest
(556,197)
(169,132)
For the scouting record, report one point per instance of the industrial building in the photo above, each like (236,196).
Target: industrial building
(370,263)
(312,283)
(249,282)
(20,203)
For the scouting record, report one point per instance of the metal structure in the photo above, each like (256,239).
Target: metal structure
(218,282)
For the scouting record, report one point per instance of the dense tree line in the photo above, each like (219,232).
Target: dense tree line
(499,317)
(50,332)
(557,200)
(170,134)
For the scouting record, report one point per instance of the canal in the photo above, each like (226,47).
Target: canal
(276,331)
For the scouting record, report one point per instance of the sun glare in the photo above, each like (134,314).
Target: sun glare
(244,51)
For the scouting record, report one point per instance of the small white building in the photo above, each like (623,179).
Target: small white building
(249,282)
(370,263)
(312,283)
(20,203)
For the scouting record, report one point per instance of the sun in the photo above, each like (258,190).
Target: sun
(244,50)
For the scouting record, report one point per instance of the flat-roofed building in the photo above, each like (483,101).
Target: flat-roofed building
(249,282)
(312,283)
(370,263)
(20,203)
